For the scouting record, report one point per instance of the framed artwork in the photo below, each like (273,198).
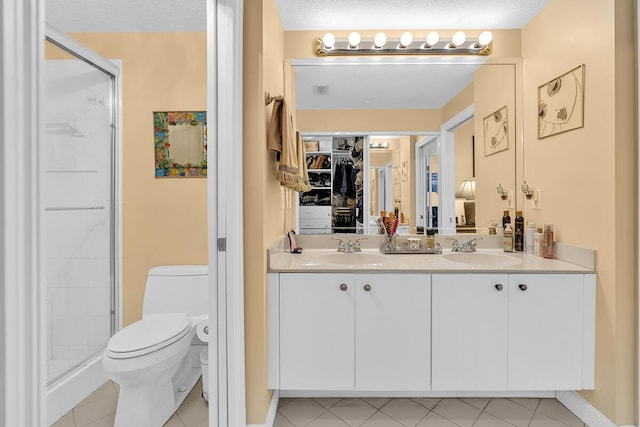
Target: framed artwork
(561,103)
(405,170)
(180,143)
(496,131)
(396,175)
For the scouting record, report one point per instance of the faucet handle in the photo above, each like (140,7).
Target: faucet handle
(341,244)
(356,244)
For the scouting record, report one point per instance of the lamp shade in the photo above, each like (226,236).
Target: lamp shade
(466,190)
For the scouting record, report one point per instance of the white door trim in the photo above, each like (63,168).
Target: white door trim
(22,319)
(446,181)
(421,179)
(226,299)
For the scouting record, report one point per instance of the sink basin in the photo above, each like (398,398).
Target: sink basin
(482,258)
(356,258)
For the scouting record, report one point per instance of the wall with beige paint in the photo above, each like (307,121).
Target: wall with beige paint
(164,220)
(588,176)
(369,120)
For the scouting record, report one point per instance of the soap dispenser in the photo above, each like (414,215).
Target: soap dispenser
(508,238)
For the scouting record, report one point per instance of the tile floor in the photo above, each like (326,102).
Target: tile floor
(424,412)
(99,410)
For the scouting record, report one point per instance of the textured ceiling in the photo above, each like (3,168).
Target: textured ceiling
(410,14)
(72,16)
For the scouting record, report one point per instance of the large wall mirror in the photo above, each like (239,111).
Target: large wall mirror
(441,137)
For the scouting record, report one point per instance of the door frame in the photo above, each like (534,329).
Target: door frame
(420,163)
(22,319)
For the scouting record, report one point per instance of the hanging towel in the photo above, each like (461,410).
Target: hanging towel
(284,140)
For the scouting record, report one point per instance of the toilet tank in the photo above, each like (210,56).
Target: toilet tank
(177,289)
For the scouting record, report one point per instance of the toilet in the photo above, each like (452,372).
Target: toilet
(156,361)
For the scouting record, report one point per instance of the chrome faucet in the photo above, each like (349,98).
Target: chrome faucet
(350,247)
(469,246)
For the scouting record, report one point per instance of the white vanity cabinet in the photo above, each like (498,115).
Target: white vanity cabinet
(469,342)
(353,331)
(512,332)
(545,331)
(316,331)
(392,331)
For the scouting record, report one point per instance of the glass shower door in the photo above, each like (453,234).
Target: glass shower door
(79,217)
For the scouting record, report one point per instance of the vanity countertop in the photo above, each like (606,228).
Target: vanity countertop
(325,259)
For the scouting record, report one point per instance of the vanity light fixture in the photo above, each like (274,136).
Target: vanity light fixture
(328,41)
(355,45)
(379,40)
(379,145)
(502,192)
(527,190)
(405,40)
(354,40)
(458,39)
(432,39)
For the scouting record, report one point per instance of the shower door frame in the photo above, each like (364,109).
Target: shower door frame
(83,53)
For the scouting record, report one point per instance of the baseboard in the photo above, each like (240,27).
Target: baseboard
(584,410)
(273,409)
(433,394)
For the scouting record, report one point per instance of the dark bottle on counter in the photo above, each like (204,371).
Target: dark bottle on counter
(506,219)
(518,233)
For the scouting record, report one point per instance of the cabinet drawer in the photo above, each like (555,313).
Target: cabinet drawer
(314,212)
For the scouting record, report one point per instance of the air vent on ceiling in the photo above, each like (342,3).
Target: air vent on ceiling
(321,90)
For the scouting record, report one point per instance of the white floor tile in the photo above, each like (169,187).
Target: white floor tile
(354,412)
(327,420)
(457,411)
(477,403)
(406,411)
(103,422)
(380,419)
(552,408)
(527,403)
(281,421)
(426,402)
(434,420)
(193,411)
(488,420)
(540,420)
(512,412)
(377,402)
(301,412)
(95,410)
(327,402)
(174,421)
(66,421)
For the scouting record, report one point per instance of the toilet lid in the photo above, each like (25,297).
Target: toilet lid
(152,333)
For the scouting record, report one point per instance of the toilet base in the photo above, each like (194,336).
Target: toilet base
(151,405)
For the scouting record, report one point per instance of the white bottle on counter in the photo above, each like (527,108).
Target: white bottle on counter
(537,242)
(529,237)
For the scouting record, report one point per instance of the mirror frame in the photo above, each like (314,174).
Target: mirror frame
(165,166)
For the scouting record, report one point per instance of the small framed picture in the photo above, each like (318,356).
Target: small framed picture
(496,131)
(405,171)
(561,103)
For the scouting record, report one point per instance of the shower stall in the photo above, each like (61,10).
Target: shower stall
(81,221)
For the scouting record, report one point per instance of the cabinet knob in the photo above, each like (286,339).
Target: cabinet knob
(522,287)
(367,288)
(343,287)
(499,287)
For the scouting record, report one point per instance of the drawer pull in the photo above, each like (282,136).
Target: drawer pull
(522,287)
(367,288)
(499,287)
(343,287)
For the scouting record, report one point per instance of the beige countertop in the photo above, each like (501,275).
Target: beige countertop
(320,255)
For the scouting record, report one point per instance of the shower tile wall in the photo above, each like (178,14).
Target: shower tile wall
(77,176)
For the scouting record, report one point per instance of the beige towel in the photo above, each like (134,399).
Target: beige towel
(283,139)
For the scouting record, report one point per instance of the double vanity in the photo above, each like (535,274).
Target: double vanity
(482,321)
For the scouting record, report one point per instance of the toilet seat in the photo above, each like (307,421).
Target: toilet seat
(150,334)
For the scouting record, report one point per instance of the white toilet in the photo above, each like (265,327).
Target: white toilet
(156,360)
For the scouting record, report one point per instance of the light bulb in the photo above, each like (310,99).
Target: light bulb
(457,39)
(354,39)
(485,38)
(379,40)
(406,39)
(328,40)
(432,38)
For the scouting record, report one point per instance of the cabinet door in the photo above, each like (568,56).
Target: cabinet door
(469,332)
(545,332)
(316,331)
(392,331)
